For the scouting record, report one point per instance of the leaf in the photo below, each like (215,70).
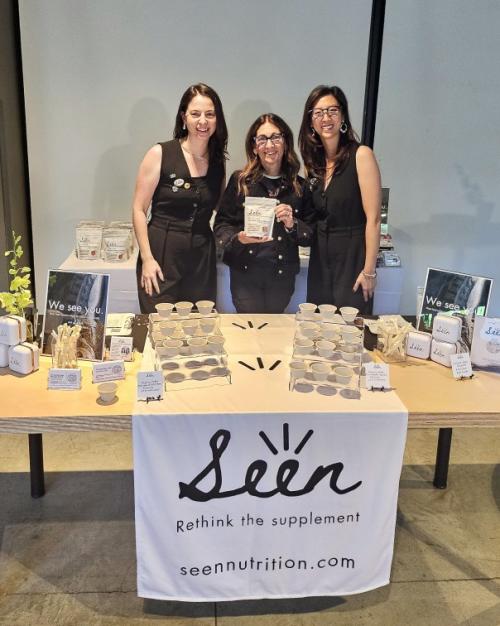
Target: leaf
(19,252)
(12,272)
(7,252)
(25,269)
(16,239)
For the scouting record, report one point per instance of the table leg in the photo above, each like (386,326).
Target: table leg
(442,458)
(36,466)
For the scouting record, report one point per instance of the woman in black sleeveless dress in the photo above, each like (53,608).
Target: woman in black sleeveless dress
(182,180)
(343,203)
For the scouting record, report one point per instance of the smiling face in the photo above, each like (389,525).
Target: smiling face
(200,118)
(327,126)
(270,147)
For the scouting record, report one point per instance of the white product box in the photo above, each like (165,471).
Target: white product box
(12,329)
(4,355)
(418,344)
(485,350)
(441,351)
(24,358)
(446,328)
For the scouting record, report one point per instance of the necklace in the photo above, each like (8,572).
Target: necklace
(195,156)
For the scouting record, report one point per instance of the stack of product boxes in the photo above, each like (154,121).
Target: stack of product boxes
(444,341)
(15,352)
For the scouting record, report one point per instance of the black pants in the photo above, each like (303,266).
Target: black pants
(187,260)
(336,260)
(258,290)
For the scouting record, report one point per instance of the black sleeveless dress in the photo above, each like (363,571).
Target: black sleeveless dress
(338,249)
(179,232)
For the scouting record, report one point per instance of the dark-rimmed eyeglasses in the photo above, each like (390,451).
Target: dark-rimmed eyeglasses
(275,139)
(318,114)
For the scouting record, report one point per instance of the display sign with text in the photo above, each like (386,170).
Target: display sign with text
(77,298)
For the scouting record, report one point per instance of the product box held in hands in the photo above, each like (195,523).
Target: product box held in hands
(24,358)
(12,329)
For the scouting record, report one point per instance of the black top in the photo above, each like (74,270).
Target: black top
(188,202)
(279,255)
(339,206)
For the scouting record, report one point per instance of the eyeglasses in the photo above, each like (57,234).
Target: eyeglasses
(275,139)
(317,114)
(209,115)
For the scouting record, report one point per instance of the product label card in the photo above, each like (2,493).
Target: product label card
(461,365)
(60,378)
(109,370)
(121,348)
(150,386)
(377,376)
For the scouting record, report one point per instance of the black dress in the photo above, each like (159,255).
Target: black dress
(179,232)
(338,247)
(262,274)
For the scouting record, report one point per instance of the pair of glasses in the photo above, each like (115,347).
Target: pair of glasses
(317,114)
(275,139)
(209,115)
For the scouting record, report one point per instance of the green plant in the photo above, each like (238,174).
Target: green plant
(19,296)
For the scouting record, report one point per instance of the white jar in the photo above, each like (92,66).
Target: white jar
(4,355)
(24,358)
(418,344)
(12,329)
(446,328)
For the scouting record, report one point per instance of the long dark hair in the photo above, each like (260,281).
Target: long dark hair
(217,144)
(253,169)
(311,148)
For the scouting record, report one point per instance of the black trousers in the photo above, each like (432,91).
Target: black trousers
(187,260)
(336,260)
(258,290)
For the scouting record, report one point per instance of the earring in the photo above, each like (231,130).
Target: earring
(184,126)
(313,132)
(343,128)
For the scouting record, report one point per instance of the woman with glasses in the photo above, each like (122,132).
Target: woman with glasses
(182,180)
(344,199)
(262,270)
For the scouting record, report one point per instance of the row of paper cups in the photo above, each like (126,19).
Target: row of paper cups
(192,326)
(170,348)
(327,311)
(332,332)
(304,346)
(165,309)
(321,371)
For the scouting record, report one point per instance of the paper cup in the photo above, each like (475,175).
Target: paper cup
(107,391)
(208,324)
(183,308)
(298,369)
(350,334)
(216,344)
(309,329)
(320,371)
(205,307)
(303,345)
(171,347)
(164,309)
(307,310)
(327,311)
(343,374)
(329,331)
(197,344)
(167,329)
(350,352)
(190,326)
(325,348)
(348,313)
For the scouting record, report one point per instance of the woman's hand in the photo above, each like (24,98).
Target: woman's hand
(151,272)
(284,214)
(367,284)
(245,239)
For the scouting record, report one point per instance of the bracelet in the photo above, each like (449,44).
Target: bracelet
(366,275)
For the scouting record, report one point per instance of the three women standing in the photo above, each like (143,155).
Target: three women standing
(344,198)
(182,180)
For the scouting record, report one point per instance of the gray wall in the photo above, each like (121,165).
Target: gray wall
(438,137)
(103,80)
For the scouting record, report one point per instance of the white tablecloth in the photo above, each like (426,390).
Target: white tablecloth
(248,490)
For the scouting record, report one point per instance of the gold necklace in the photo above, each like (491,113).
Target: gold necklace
(195,156)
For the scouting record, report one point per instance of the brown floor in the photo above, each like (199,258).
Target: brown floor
(69,558)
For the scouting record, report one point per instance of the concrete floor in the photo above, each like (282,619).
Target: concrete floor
(69,558)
